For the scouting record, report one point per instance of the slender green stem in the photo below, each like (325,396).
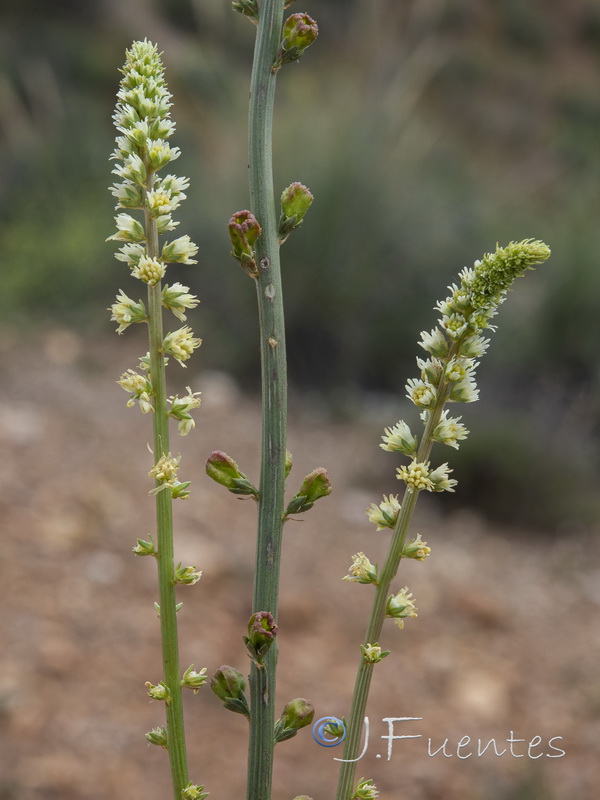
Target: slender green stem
(378,612)
(274,389)
(164,530)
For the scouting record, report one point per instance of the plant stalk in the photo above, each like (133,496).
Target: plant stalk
(164,530)
(274,390)
(378,612)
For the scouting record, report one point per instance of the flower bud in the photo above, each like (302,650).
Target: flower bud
(297,714)
(192,679)
(179,490)
(194,792)
(316,485)
(158,736)
(145,548)
(365,790)
(262,630)
(372,653)
(223,469)
(361,570)
(229,685)
(299,32)
(295,202)
(186,575)
(400,606)
(416,549)
(248,8)
(158,691)
(289,462)
(244,230)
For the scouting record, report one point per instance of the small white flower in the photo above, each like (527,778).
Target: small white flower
(372,653)
(384,515)
(127,194)
(174,185)
(140,389)
(161,201)
(180,410)
(165,223)
(449,430)
(400,606)
(416,476)
(160,153)
(431,370)
(440,480)
(165,472)
(474,346)
(464,391)
(149,270)
(126,311)
(417,549)
(128,229)
(180,251)
(434,342)
(361,570)
(421,393)
(181,344)
(399,439)
(454,325)
(177,299)
(130,254)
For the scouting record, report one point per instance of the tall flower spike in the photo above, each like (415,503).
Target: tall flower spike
(447,375)
(142,118)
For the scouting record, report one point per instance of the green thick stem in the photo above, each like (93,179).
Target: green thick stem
(378,612)
(164,531)
(274,389)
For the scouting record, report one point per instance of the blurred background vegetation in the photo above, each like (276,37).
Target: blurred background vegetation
(428,130)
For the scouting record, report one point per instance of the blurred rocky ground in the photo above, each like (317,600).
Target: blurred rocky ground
(506,639)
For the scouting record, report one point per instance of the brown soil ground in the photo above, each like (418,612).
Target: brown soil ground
(506,639)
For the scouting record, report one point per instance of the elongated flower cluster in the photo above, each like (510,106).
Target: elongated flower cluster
(142,150)
(448,374)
